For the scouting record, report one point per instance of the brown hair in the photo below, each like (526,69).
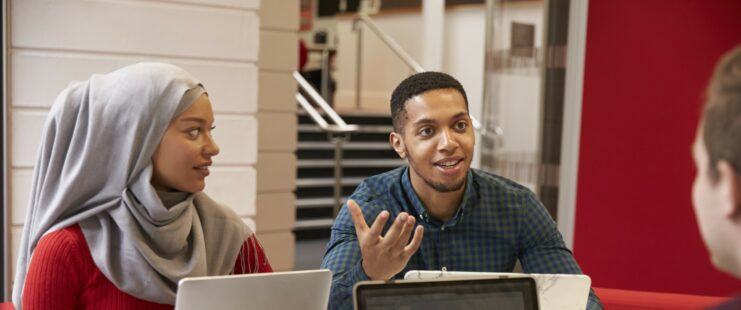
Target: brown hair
(721,120)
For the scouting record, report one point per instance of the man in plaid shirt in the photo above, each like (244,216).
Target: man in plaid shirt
(466,219)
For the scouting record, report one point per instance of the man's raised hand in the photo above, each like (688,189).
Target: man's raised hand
(385,256)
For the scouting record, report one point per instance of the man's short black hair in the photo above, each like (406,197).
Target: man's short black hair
(417,84)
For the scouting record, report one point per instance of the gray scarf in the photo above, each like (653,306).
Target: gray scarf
(94,168)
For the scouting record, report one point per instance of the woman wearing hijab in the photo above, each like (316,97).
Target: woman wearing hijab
(117,215)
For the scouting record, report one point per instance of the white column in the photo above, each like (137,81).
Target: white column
(433,20)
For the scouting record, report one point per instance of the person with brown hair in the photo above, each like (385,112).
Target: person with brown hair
(716,192)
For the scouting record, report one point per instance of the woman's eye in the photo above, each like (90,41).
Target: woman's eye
(211,130)
(193,133)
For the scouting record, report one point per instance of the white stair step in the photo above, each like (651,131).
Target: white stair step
(321,182)
(317,202)
(353,163)
(345,146)
(314,223)
(361,128)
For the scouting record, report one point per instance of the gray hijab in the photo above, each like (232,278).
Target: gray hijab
(94,168)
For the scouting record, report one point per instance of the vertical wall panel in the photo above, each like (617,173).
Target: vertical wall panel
(278,250)
(277,132)
(275,212)
(276,163)
(276,172)
(643,87)
(279,50)
(281,15)
(275,92)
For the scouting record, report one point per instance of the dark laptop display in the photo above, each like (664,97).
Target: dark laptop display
(500,294)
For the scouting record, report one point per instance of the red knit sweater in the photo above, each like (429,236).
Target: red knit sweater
(62,275)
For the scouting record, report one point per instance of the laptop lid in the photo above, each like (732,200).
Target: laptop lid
(279,290)
(482,293)
(555,291)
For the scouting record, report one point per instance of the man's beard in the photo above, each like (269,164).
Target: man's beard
(442,188)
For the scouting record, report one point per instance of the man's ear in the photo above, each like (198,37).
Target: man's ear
(398,144)
(729,185)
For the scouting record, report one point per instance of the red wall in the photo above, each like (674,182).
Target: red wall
(647,63)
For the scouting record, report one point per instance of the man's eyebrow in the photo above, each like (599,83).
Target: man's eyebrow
(461,114)
(424,121)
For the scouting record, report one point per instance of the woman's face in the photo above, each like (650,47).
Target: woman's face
(182,159)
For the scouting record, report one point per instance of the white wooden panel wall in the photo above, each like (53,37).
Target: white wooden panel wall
(136,27)
(231,85)
(54,42)
(276,163)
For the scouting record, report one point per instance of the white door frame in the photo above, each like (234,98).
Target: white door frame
(572,119)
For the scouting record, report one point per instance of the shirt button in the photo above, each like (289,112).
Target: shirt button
(442,228)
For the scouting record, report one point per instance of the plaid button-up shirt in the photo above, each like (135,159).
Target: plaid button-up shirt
(497,223)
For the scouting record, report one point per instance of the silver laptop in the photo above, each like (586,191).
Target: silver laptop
(447,294)
(555,291)
(278,290)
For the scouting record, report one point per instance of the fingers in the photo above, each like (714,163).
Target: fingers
(410,249)
(392,235)
(406,232)
(357,217)
(378,224)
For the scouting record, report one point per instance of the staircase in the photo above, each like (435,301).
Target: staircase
(366,153)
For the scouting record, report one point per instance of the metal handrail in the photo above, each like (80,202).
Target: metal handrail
(340,125)
(339,132)
(408,60)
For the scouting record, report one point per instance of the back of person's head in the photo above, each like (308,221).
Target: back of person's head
(721,121)
(415,85)
(717,156)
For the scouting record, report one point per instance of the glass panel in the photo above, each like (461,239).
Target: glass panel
(523,93)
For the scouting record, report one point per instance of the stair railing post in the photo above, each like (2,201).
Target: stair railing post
(358,61)
(325,75)
(338,140)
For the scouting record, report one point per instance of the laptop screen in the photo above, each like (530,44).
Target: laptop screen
(504,294)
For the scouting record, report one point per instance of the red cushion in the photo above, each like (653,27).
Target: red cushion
(7,306)
(615,299)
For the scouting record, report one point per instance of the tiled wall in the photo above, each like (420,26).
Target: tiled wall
(276,114)
(53,42)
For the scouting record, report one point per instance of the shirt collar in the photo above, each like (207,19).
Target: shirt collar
(469,198)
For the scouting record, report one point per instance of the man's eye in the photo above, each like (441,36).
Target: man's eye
(425,132)
(461,125)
